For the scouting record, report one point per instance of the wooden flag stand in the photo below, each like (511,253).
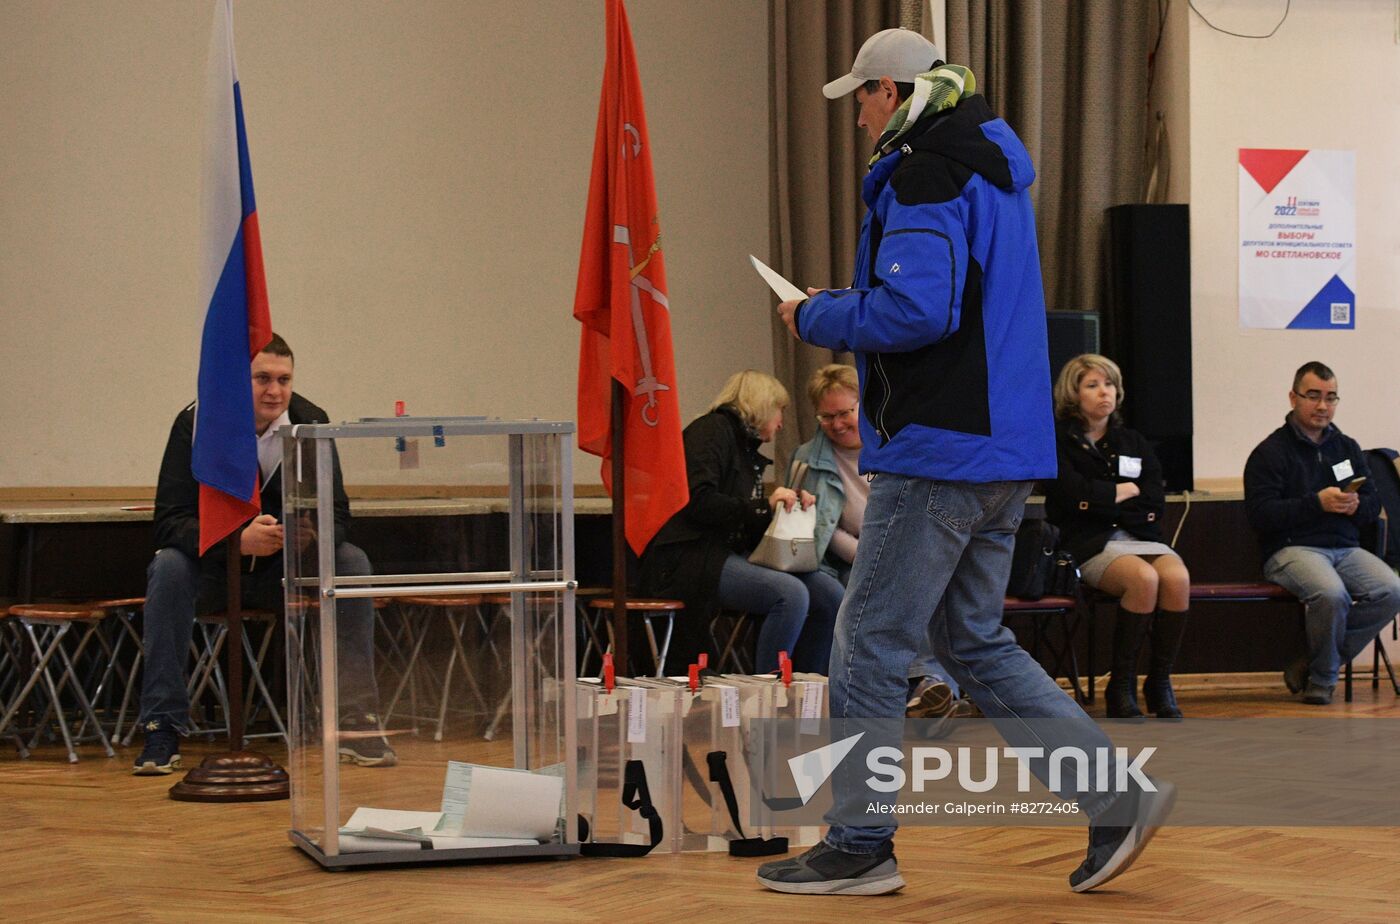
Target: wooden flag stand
(620,399)
(237,775)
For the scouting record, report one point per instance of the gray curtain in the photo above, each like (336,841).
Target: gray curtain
(817,158)
(1070,77)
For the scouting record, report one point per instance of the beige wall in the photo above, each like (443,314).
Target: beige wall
(1330,78)
(421,173)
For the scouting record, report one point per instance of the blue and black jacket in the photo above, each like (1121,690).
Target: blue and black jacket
(946,314)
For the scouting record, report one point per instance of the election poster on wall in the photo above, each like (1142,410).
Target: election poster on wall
(1297,239)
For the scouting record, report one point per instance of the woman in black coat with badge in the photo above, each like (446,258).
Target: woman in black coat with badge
(1108,502)
(701,554)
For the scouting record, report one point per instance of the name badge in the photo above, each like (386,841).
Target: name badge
(1342,470)
(1129,466)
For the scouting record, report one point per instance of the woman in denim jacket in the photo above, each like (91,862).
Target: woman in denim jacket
(833,459)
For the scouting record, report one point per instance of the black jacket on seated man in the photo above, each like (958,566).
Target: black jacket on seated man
(177,496)
(1281,481)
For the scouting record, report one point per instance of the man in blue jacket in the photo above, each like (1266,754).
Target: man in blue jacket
(946,316)
(1305,497)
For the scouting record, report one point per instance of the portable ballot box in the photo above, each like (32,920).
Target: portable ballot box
(791,709)
(627,742)
(430,679)
(669,764)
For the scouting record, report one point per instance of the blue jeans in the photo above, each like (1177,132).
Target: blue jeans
(176,589)
(923,541)
(797,611)
(925,663)
(1350,595)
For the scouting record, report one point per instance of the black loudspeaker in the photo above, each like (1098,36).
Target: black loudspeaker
(1147,327)
(1070,333)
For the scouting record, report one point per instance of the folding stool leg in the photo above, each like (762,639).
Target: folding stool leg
(442,700)
(213,674)
(660,656)
(1389,668)
(409,668)
(592,641)
(52,641)
(84,701)
(135,672)
(459,629)
(255,663)
(36,684)
(110,670)
(8,658)
(24,691)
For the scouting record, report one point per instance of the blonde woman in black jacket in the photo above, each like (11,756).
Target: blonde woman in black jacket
(701,554)
(1108,501)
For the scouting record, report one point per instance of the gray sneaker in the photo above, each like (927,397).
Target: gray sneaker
(362,742)
(824,870)
(1317,695)
(1112,849)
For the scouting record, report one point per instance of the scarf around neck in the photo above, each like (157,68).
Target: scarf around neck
(935,91)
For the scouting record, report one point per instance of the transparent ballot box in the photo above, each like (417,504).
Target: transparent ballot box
(666,765)
(430,668)
(627,757)
(712,794)
(780,715)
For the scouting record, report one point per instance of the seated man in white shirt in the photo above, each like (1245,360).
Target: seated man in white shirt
(181,583)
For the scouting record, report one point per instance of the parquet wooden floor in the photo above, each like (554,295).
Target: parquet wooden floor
(92,843)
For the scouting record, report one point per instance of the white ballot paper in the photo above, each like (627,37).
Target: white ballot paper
(498,802)
(785,290)
(392,820)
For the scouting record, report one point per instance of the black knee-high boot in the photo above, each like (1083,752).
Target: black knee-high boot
(1167,631)
(1120,696)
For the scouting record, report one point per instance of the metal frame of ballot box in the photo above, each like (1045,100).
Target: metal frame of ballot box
(322,841)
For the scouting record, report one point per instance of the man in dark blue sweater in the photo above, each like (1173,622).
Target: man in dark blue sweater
(1307,496)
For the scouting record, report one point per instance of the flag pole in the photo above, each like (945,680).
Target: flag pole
(620,398)
(233,607)
(237,775)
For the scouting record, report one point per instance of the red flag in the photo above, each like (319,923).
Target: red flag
(621,302)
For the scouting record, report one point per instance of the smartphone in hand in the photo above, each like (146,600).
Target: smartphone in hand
(1351,487)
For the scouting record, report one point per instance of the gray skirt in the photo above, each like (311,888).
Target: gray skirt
(1119,544)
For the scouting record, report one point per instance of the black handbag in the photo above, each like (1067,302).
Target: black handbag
(1063,580)
(1038,568)
(1033,559)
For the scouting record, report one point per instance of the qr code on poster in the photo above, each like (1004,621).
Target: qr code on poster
(1341,313)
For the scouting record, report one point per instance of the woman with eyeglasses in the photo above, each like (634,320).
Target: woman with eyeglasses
(701,554)
(833,458)
(1108,502)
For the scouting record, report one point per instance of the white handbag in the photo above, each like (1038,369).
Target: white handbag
(789,543)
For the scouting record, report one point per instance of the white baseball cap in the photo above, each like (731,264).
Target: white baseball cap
(900,54)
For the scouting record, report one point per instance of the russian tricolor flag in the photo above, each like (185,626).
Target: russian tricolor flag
(237,324)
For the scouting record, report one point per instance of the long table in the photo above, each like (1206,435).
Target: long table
(29,517)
